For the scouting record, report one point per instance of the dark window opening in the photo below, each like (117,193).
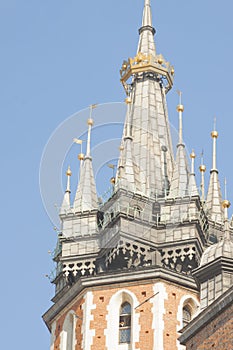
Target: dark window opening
(125,323)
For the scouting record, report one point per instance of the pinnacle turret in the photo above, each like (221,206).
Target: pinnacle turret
(192,188)
(180,178)
(214,196)
(202,169)
(126,176)
(66,200)
(86,195)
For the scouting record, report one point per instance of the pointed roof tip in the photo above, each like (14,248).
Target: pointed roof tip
(66,199)
(180,110)
(86,194)
(90,123)
(68,172)
(146,43)
(226,205)
(180,178)
(214,198)
(193,191)
(193,156)
(147,17)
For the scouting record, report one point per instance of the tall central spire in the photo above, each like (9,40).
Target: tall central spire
(146,43)
(147,78)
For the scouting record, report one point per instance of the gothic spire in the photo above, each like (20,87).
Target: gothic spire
(146,43)
(147,78)
(226,205)
(214,196)
(126,177)
(202,169)
(86,195)
(180,178)
(193,191)
(66,200)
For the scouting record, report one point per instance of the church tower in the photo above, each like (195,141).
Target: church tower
(124,269)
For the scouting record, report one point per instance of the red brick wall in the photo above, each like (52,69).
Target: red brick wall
(218,334)
(77,308)
(101,298)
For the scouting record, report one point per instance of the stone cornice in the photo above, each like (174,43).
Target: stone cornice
(132,277)
(213,268)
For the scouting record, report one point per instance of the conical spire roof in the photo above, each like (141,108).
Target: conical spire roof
(127,174)
(214,196)
(66,200)
(86,195)
(192,187)
(146,43)
(223,248)
(180,178)
(150,129)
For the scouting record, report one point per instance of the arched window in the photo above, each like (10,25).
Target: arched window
(67,335)
(187,315)
(137,211)
(125,323)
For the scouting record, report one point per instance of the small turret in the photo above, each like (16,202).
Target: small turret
(202,169)
(214,196)
(66,200)
(180,178)
(193,191)
(215,273)
(86,195)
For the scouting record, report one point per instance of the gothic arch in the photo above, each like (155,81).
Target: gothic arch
(68,332)
(118,300)
(187,310)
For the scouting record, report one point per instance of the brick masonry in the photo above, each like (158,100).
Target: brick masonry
(217,334)
(102,297)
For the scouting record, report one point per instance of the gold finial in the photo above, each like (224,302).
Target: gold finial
(160,60)
(172,71)
(81,156)
(113,180)
(124,65)
(68,173)
(121,148)
(90,122)
(226,204)
(202,168)
(193,155)
(128,100)
(214,134)
(180,108)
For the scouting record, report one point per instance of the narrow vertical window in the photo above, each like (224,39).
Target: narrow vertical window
(186,315)
(125,323)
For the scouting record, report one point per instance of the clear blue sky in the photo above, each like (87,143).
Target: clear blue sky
(58,57)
